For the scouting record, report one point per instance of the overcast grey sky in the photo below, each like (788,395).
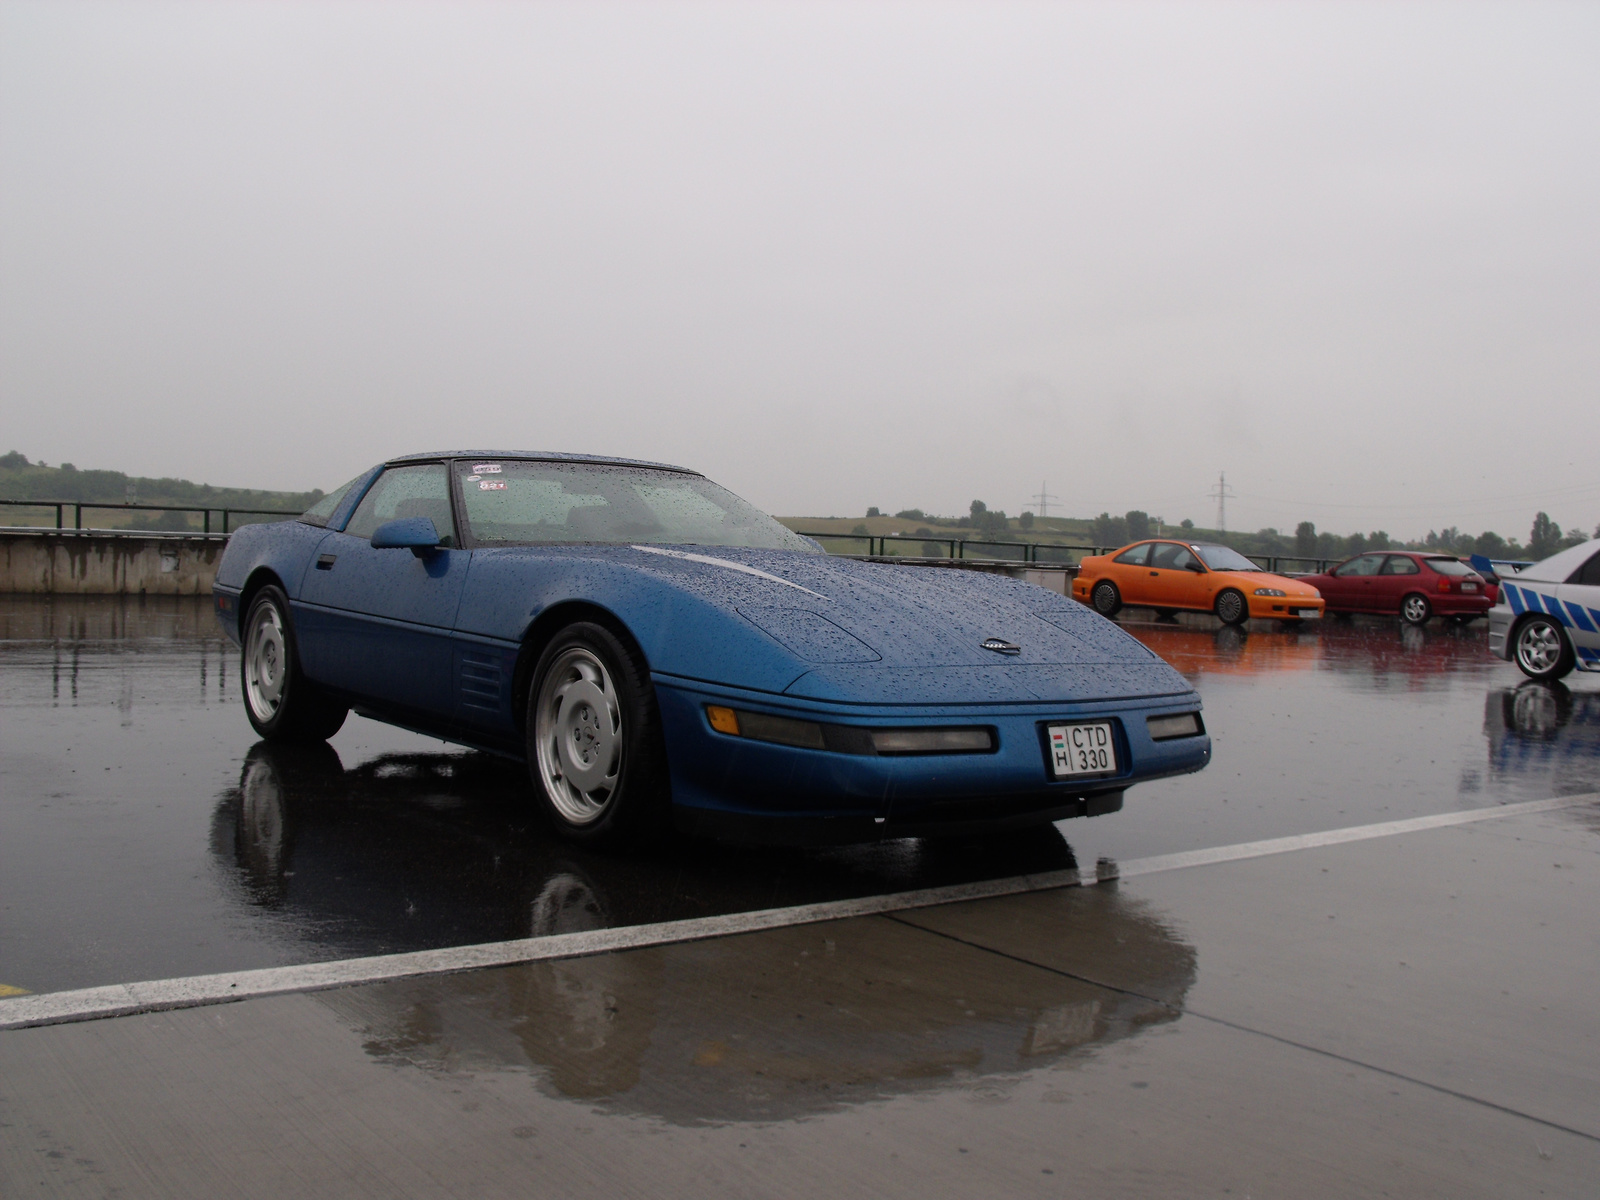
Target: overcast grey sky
(831,254)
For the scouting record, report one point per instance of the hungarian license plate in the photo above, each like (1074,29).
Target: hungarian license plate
(1469,587)
(1308,614)
(1082,750)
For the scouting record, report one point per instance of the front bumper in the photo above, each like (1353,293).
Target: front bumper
(225,602)
(720,781)
(1285,608)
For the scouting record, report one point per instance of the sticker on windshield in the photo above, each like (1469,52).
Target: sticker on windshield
(492,485)
(473,478)
(486,469)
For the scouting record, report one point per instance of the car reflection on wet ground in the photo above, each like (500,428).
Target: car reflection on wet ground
(1408,1015)
(146,833)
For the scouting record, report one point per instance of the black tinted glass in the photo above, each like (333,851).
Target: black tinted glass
(1589,573)
(1169,556)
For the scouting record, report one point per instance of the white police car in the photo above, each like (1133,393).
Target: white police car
(1547,620)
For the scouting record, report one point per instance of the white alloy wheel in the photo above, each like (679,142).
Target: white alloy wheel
(266,662)
(578,736)
(1541,649)
(1415,610)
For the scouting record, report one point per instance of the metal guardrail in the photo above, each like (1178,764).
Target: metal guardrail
(878,546)
(1273,563)
(78,507)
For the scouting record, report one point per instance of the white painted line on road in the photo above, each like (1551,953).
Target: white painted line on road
(1336,837)
(126,999)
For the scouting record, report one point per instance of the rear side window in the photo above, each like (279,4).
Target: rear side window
(1400,564)
(1448,566)
(420,491)
(1589,573)
(1137,557)
(319,512)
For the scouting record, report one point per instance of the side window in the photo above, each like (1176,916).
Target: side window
(1589,573)
(1366,564)
(1400,564)
(319,512)
(1137,557)
(420,491)
(1170,556)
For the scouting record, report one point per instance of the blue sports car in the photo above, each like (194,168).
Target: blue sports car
(656,649)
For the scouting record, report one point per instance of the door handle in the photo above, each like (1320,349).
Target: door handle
(1155,572)
(325,561)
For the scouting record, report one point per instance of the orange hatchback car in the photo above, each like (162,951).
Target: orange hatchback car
(1169,576)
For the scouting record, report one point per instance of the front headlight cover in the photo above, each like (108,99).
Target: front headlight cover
(849,739)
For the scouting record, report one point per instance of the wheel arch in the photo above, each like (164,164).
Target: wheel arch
(1244,604)
(257,579)
(544,627)
(1534,615)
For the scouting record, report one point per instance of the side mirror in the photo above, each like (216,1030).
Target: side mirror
(1197,568)
(416,534)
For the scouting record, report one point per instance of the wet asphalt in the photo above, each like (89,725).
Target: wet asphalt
(1412,1015)
(146,833)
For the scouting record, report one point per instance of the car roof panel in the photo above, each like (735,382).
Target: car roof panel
(539,456)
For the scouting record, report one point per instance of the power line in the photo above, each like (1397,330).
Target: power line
(1220,494)
(1043,499)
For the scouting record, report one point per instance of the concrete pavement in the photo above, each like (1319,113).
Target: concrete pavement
(1411,1015)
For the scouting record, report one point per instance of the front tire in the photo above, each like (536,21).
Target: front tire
(595,748)
(1107,600)
(1231,607)
(282,704)
(1415,609)
(1541,649)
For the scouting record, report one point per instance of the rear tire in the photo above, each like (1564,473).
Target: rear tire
(595,748)
(1107,600)
(1415,609)
(1541,650)
(1231,607)
(282,704)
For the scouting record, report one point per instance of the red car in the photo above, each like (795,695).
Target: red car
(1412,583)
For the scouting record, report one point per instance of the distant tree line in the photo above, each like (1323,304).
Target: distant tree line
(1544,538)
(21,479)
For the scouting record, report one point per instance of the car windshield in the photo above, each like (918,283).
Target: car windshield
(1448,566)
(520,502)
(1221,558)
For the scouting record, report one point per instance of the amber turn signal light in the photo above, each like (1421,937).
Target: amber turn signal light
(723,720)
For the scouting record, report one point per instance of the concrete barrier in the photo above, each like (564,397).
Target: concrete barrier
(98,563)
(69,562)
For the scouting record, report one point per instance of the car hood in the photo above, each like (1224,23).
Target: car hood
(897,616)
(837,629)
